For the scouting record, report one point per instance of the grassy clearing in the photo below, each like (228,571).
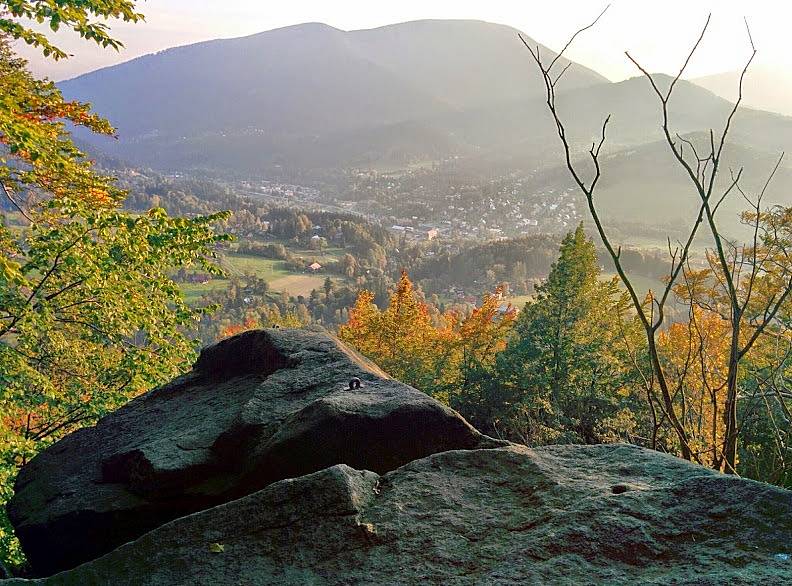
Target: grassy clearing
(298,284)
(328,255)
(273,271)
(265,268)
(194,291)
(518,301)
(325,256)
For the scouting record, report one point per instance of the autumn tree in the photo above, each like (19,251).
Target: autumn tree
(443,355)
(736,268)
(695,355)
(260,317)
(401,339)
(761,274)
(475,340)
(89,315)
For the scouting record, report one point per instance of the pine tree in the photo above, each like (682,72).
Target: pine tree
(557,378)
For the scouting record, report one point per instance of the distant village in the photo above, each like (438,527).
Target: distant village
(505,208)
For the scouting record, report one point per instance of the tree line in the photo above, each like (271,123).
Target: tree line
(574,367)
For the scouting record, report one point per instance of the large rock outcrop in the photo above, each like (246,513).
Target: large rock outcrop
(257,408)
(613,514)
(262,466)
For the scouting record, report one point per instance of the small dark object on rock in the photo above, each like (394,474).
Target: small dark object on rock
(355,383)
(619,488)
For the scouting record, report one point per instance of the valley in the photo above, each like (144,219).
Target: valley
(332,283)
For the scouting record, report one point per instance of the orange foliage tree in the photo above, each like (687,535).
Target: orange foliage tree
(439,354)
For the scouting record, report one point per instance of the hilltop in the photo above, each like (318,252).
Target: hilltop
(283,96)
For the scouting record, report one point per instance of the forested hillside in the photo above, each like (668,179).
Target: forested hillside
(360,95)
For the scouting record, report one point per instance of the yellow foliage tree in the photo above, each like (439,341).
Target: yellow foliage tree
(696,355)
(439,356)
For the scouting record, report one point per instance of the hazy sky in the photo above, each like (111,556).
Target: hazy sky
(657,32)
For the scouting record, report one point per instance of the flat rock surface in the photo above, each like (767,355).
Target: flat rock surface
(255,409)
(611,514)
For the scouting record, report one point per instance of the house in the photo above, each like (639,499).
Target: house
(314,267)
(199,278)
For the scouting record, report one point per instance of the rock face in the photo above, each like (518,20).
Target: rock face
(262,467)
(613,514)
(257,408)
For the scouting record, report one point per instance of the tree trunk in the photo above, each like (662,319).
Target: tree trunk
(667,402)
(729,458)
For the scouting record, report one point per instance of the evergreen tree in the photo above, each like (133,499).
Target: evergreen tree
(558,378)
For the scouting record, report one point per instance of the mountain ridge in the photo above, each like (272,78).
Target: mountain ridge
(293,85)
(764,88)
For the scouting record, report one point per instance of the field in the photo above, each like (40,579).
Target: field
(265,268)
(323,257)
(273,271)
(194,291)
(298,284)
(518,301)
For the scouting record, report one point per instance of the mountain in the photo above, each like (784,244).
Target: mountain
(312,99)
(519,128)
(296,95)
(764,88)
(645,184)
